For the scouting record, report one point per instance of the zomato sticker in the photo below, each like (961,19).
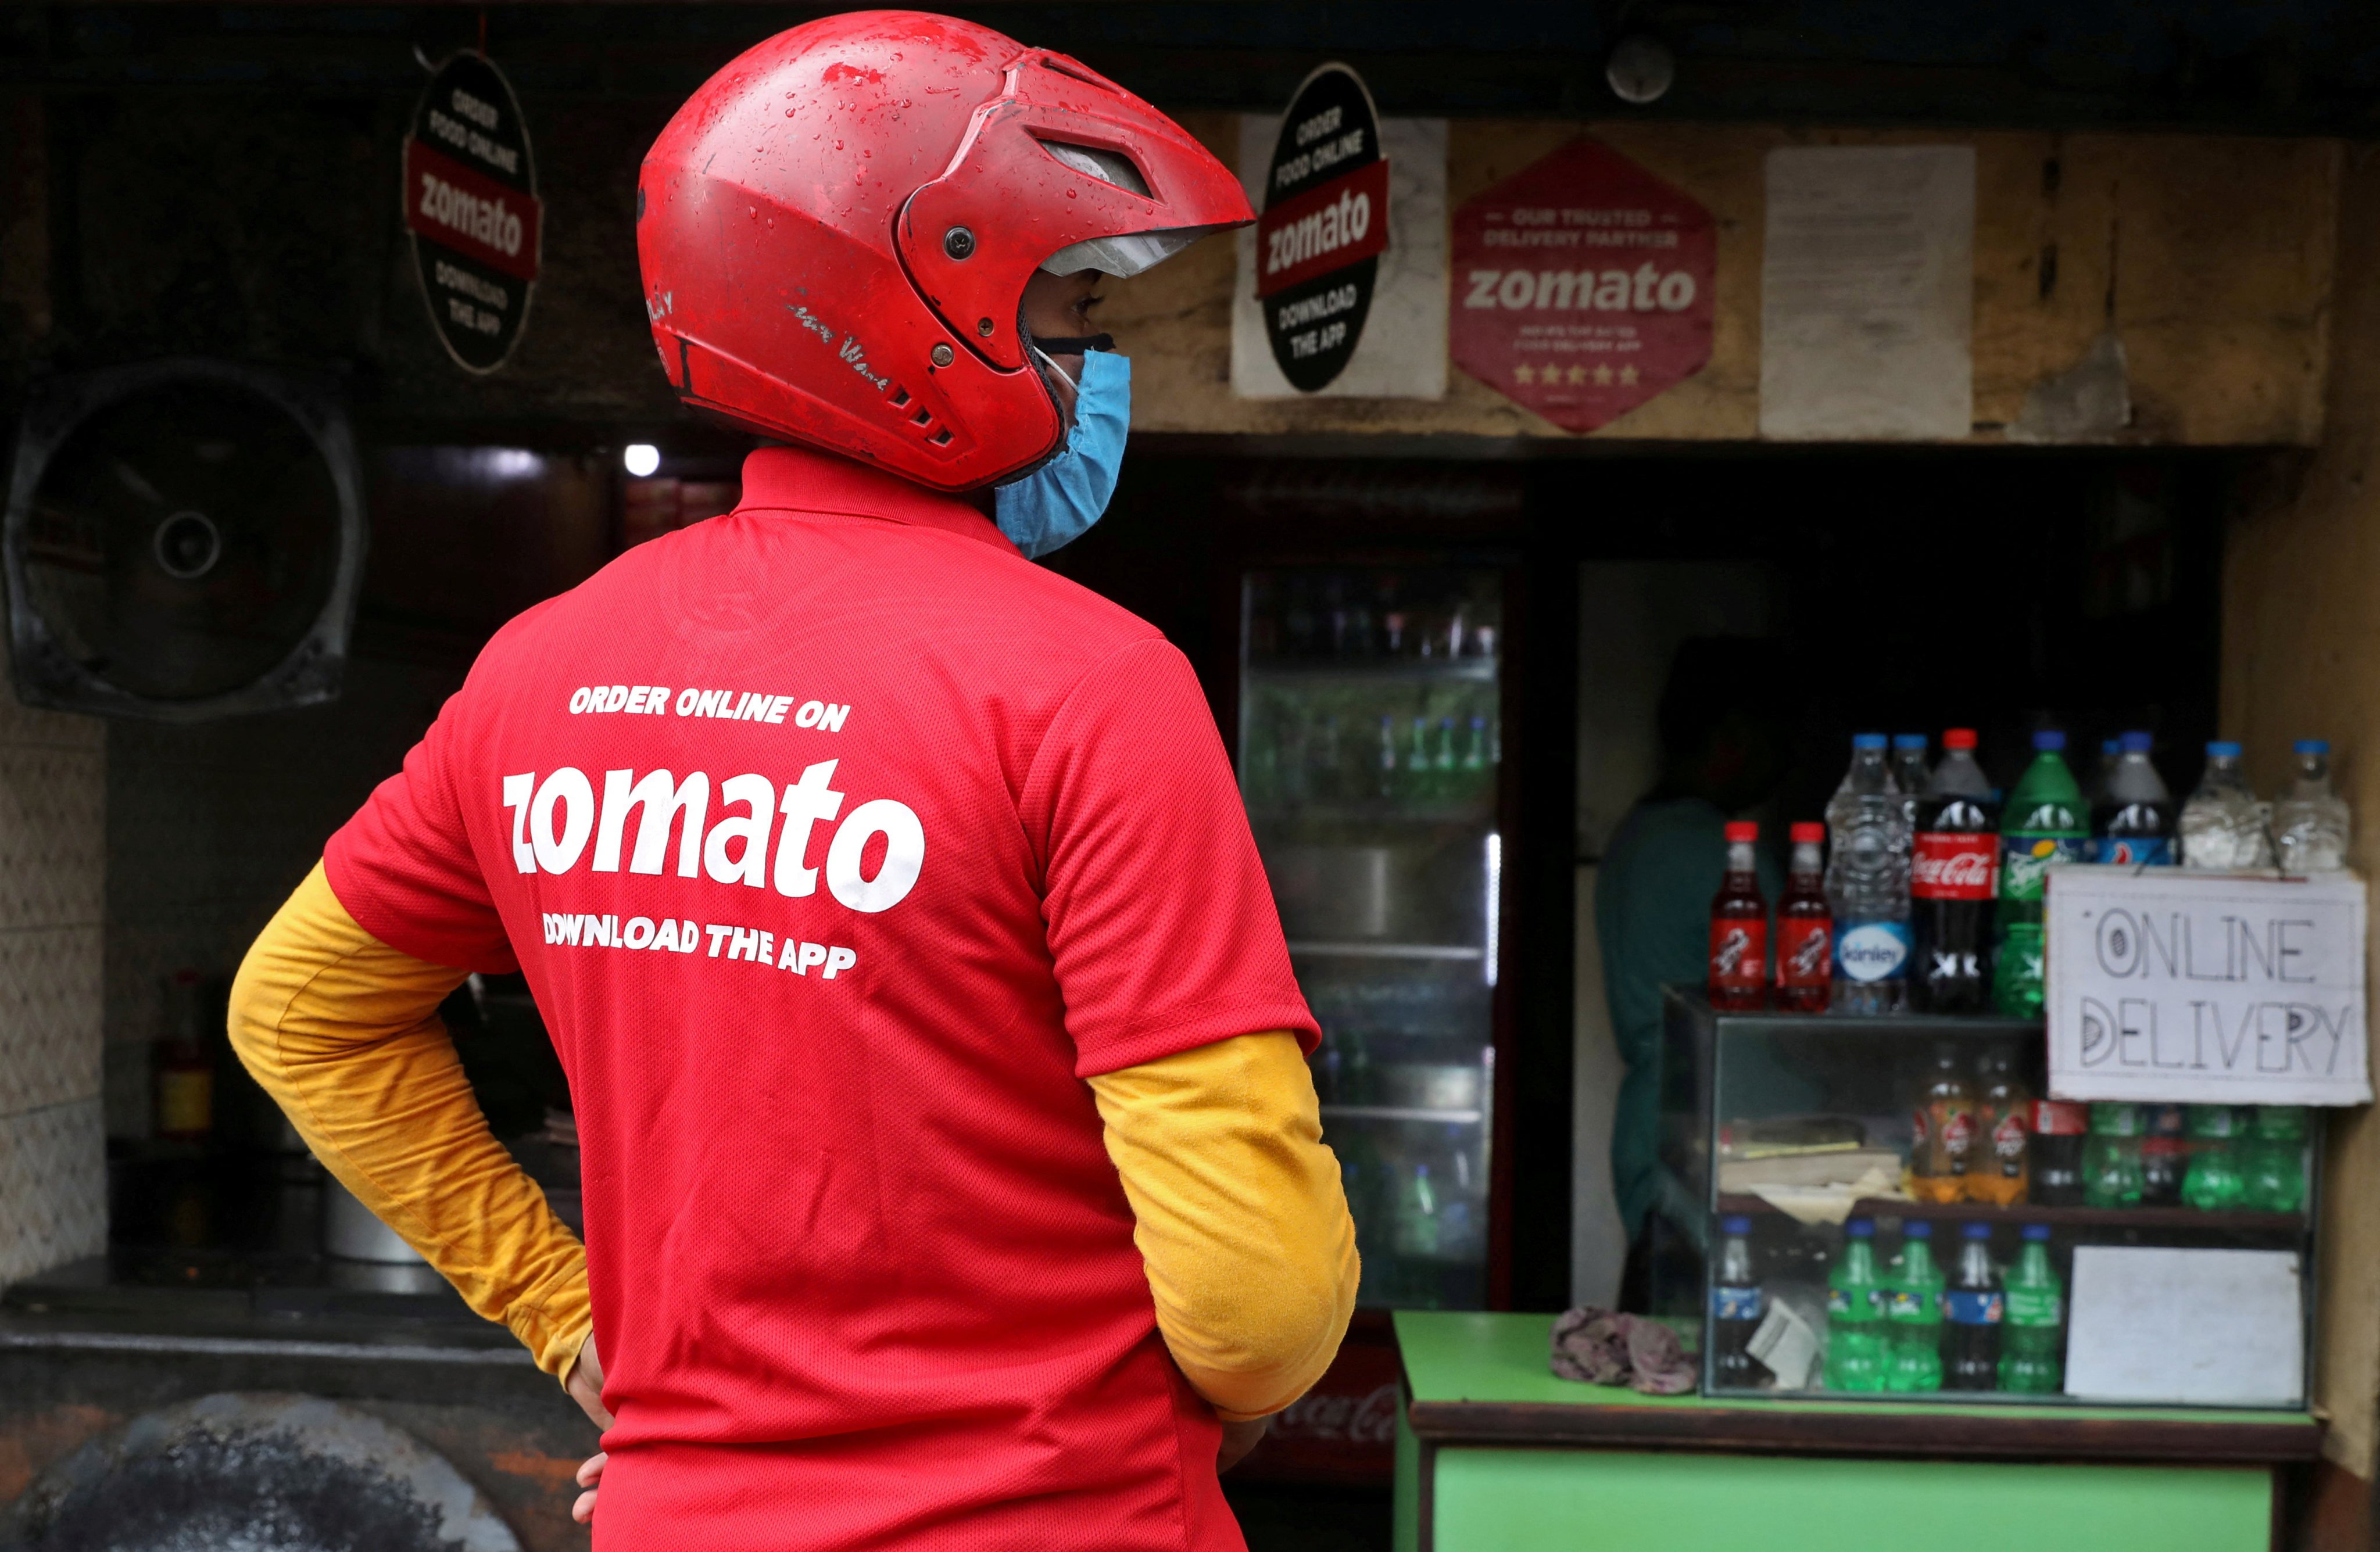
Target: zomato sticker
(1582,286)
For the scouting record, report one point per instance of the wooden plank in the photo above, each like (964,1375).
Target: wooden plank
(2210,257)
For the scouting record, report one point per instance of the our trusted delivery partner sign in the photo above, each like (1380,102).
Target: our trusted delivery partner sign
(2165,984)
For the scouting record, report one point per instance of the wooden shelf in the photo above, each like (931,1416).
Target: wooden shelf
(2071,1218)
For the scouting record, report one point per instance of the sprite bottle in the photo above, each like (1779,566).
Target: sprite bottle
(2214,1183)
(2111,1158)
(2033,1338)
(2274,1160)
(1912,1315)
(1854,1320)
(2045,823)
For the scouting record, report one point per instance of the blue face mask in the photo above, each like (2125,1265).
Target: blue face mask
(1058,502)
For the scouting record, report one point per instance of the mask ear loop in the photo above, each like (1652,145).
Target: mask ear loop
(1052,363)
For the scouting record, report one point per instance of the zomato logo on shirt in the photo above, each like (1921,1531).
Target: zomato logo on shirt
(558,825)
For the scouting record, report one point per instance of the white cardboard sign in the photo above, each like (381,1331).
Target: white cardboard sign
(2173,985)
(2188,1327)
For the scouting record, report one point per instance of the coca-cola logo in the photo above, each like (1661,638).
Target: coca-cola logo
(1337,1417)
(1952,866)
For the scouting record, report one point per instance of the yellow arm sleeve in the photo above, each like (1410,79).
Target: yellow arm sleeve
(342,1030)
(1240,1216)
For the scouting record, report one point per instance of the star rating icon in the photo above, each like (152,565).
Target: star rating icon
(1603,376)
(1627,375)
(1523,373)
(1577,376)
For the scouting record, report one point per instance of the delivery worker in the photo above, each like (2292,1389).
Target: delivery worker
(952,1171)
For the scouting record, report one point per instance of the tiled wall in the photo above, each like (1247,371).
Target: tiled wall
(52,854)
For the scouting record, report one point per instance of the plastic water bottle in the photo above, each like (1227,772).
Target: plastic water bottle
(2310,824)
(2131,823)
(1855,1319)
(1867,883)
(2219,824)
(2033,1338)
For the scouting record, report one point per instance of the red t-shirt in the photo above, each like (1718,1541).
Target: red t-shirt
(839,844)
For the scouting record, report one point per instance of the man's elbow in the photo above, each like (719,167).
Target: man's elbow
(1263,1339)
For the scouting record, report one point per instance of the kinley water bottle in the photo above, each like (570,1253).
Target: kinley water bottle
(1867,883)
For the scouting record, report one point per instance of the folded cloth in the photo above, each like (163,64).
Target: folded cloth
(1605,1347)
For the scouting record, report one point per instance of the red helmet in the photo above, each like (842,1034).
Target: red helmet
(836,232)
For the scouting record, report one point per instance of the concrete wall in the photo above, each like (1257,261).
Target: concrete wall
(52,1157)
(2301,658)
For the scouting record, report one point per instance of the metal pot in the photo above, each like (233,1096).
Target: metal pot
(1430,1085)
(352,1233)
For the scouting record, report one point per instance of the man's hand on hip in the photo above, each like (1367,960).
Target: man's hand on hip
(586,1387)
(1238,1439)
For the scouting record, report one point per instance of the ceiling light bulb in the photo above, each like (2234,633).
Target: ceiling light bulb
(640,458)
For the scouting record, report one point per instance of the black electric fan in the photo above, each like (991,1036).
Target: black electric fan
(182,540)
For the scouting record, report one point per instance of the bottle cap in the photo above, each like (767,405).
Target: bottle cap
(2036,1231)
(2111,745)
(1867,741)
(1976,1228)
(1918,1228)
(1958,738)
(1740,830)
(2313,745)
(1809,832)
(1860,1227)
(1909,741)
(1735,1224)
(2138,743)
(2048,741)
(2223,749)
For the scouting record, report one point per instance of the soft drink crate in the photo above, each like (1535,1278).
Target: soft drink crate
(1890,1206)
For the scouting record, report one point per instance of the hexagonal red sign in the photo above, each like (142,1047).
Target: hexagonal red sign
(1582,286)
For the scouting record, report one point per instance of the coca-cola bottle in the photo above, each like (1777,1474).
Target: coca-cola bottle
(1805,929)
(1953,875)
(1739,927)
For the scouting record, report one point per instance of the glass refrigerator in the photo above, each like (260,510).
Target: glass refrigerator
(1370,728)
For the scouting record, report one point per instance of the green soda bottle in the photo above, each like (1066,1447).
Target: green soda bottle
(2214,1183)
(2274,1162)
(1912,1315)
(2033,1338)
(2045,823)
(1854,1323)
(2112,1159)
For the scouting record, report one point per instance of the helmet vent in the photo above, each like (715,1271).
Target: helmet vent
(923,417)
(940,438)
(1108,166)
(1073,72)
(900,395)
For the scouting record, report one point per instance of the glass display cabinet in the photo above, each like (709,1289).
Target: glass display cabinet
(1370,745)
(1889,1208)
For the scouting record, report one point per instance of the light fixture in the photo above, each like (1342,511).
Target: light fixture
(640,458)
(1641,69)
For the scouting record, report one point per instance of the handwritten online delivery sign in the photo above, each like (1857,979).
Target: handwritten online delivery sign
(2170,985)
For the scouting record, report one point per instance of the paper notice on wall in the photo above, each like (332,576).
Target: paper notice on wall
(1867,293)
(2190,1328)
(1402,354)
(2170,984)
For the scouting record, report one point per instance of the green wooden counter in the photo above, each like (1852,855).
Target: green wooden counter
(1493,1452)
